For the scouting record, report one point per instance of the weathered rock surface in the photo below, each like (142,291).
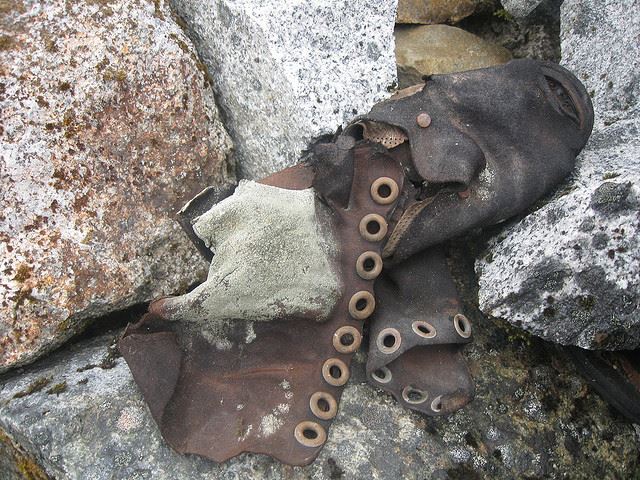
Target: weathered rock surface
(286,72)
(435,11)
(430,49)
(78,414)
(107,125)
(520,8)
(570,272)
(535,36)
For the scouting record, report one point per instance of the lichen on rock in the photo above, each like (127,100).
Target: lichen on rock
(107,125)
(568,272)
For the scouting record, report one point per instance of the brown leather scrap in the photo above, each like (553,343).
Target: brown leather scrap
(260,397)
(460,152)
(416,335)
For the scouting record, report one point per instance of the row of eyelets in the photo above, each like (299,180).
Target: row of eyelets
(384,190)
(369,265)
(389,340)
(347,339)
(462,325)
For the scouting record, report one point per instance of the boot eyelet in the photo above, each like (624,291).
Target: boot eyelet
(310,434)
(335,372)
(389,340)
(382,375)
(369,265)
(413,395)
(462,325)
(361,305)
(347,339)
(373,227)
(423,329)
(384,190)
(323,405)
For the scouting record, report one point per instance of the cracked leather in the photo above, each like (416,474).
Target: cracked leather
(497,139)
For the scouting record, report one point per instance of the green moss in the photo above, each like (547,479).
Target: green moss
(58,388)
(64,325)
(157,10)
(25,465)
(112,74)
(34,387)
(610,175)
(23,273)
(502,14)
(183,46)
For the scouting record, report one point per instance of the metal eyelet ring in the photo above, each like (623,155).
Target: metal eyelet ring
(323,405)
(361,305)
(310,434)
(347,339)
(423,329)
(369,265)
(436,404)
(382,375)
(413,395)
(335,372)
(373,227)
(388,340)
(384,190)
(462,325)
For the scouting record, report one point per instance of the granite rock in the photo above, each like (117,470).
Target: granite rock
(520,8)
(430,12)
(286,71)
(78,414)
(107,125)
(430,49)
(569,272)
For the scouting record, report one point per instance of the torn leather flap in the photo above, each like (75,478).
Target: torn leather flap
(269,387)
(416,337)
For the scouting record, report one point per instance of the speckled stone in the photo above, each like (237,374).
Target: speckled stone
(80,415)
(570,272)
(107,125)
(432,49)
(520,8)
(289,71)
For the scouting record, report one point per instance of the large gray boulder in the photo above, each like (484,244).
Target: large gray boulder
(289,71)
(107,125)
(79,415)
(570,272)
